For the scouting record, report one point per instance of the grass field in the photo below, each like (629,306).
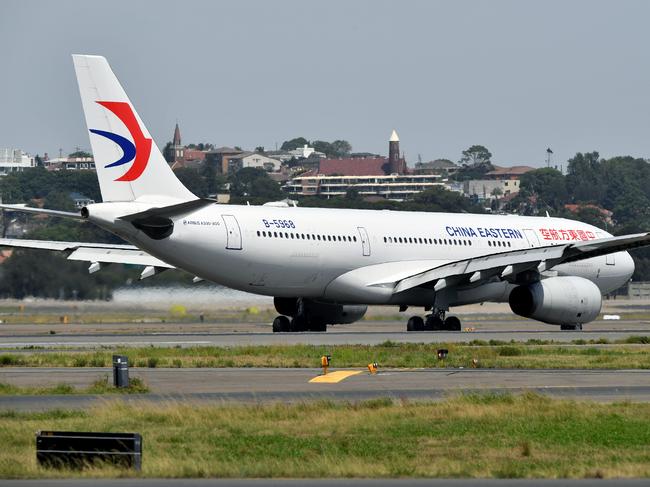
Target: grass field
(631,353)
(470,436)
(100,386)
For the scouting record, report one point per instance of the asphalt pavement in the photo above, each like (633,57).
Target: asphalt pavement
(215,386)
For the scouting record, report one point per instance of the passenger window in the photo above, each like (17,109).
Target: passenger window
(489,244)
(354,238)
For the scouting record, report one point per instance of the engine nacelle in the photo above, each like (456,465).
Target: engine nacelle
(558,300)
(320,312)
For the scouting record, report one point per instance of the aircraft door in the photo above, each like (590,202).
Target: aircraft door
(233,233)
(533,239)
(365,241)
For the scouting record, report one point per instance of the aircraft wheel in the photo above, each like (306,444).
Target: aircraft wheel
(576,327)
(299,324)
(415,323)
(434,323)
(281,324)
(452,323)
(318,326)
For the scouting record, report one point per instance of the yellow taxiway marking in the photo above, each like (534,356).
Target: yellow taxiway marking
(334,377)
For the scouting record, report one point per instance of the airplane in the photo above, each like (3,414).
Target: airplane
(325,266)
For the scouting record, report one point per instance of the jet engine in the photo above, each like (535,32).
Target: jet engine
(558,300)
(318,311)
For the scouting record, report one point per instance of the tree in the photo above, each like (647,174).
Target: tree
(322,146)
(341,148)
(292,144)
(496,192)
(80,153)
(254,182)
(476,155)
(352,194)
(192,180)
(546,187)
(59,200)
(260,149)
(584,178)
(168,152)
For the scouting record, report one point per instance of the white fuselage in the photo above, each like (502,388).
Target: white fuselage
(331,253)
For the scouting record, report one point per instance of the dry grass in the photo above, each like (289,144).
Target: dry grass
(632,355)
(472,436)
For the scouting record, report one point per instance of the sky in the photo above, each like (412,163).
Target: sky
(515,76)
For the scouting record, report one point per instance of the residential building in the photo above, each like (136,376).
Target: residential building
(365,166)
(304,152)
(13,160)
(489,189)
(393,186)
(253,159)
(280,155)
(605,214)
(358,166)
(220,156)
(70,163)
(437,166)
(513,172)
(80,200)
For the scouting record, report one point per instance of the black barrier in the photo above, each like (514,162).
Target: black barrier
(120,371)
(78,449)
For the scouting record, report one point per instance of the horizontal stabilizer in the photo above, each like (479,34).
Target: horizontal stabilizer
(170,211)
(42,211)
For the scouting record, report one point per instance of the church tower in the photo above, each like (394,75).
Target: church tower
(177,148)
(396,164)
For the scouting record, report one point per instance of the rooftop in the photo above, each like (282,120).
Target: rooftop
(368,166)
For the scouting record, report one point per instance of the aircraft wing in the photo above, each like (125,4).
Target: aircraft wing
(506,265)
(99,253)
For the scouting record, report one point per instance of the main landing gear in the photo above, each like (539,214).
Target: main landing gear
(436,321)
(298,323)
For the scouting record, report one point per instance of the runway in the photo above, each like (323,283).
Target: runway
(242,334)
(292,385)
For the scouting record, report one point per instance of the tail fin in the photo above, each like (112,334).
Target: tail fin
(129,165)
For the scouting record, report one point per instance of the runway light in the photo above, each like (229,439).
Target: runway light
(325,363)
(442,353)
(372,368)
